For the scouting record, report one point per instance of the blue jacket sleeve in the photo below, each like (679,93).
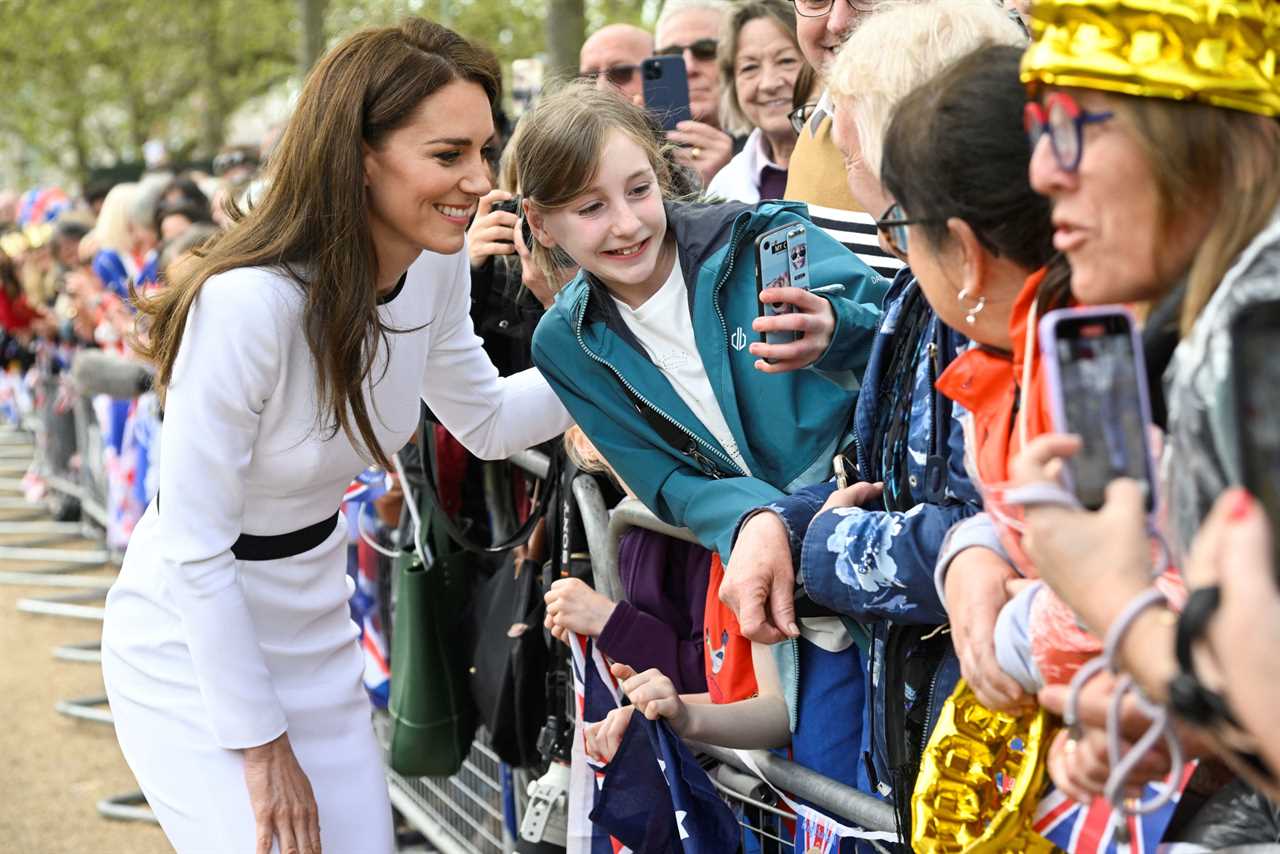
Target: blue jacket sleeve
(879,565)
(674,490)
(856,309)
(796,512)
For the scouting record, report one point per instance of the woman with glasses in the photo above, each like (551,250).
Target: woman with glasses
(761,68)
(1167,194)
(875,562)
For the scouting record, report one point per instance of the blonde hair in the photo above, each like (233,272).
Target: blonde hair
(741,13)
(559,151)
(111,231)
(900,46)
(1207,158)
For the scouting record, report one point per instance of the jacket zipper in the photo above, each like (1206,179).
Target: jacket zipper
(704,464)
(928,713)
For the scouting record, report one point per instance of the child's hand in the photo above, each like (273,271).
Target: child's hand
(810,315)
(654,695)
(604,737)
(572,606)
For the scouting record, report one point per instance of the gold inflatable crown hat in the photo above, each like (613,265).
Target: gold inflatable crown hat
(1213,51)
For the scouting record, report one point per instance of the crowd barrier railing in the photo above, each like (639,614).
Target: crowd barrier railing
(827,795)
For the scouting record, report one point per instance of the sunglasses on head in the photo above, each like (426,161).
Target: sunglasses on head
(704,49)
(618,75)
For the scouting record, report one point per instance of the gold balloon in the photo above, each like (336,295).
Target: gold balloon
(1212,51)
(959,804)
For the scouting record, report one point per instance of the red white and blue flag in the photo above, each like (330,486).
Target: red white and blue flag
(1093,828)
(596,693)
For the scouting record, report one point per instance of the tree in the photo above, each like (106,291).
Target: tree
(92,80)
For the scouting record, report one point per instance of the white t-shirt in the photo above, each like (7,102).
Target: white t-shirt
(665,330)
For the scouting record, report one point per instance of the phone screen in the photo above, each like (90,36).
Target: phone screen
(1102,400)
(1257,373)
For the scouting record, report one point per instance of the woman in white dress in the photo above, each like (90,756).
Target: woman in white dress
(291,356)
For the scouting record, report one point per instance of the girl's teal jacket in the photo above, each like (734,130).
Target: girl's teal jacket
(787,426)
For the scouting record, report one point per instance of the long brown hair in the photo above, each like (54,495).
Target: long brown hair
(313,220)
(1208,157)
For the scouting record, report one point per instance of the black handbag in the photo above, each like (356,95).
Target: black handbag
(509,661)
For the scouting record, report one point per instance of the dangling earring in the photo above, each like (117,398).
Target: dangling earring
(971,317)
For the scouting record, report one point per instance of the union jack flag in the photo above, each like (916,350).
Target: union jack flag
(1092,828)
(592,704)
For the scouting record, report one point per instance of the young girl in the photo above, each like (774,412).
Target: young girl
(663,319)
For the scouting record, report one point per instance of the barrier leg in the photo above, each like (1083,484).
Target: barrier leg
(67,605)
(128,807)
(89,652)
(93,709)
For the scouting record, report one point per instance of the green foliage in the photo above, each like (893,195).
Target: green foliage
(86,82)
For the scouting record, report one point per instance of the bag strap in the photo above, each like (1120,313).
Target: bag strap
(431,498)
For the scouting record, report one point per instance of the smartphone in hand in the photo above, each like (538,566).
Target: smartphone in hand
(665,83)
(782,261)
(1098,390)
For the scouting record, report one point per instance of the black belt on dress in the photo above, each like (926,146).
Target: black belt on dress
(279,546)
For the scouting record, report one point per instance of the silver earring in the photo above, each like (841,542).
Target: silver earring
(971,317)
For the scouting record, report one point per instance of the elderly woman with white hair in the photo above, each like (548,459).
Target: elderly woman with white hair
(875,562)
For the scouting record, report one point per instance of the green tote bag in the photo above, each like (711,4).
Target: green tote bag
(433,718)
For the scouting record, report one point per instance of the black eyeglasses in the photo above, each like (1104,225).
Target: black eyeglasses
(893,225)
(1063,120)
(618,75)
(818,8)
(703,49)
(799,117)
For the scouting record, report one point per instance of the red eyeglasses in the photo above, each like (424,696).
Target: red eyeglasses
(1063,120)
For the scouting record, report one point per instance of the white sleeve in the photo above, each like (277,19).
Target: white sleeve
(227,366)
(493,416)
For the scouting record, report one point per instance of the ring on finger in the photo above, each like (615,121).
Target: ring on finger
(695,152)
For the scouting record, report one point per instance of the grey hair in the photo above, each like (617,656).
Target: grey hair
(675,7)
(741,13)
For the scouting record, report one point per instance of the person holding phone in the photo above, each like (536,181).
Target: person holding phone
(292,354)
(873,561)
(1170,192)
(655,349)
(691,29)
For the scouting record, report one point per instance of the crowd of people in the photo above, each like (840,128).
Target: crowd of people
(876,457)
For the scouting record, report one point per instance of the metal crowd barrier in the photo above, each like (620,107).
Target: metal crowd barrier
(825,794)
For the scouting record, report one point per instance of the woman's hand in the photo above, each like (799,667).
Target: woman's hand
(811,316)
(760,573)
(604,737)
(654,695)
(855,495)
(713,148)
(1096,561)
(572,606)
(491,231)
(975,591)
(284,806)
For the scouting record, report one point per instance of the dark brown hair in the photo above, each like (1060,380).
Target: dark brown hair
(313,220)
(956,147)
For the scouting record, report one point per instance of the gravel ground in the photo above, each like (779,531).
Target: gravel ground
(55,768)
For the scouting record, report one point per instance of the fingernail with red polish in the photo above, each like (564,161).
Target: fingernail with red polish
(1241,505)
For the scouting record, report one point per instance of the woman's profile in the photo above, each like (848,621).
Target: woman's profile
(293,353)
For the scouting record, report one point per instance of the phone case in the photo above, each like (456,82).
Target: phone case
(1048,334)
(773,270)
(666,90)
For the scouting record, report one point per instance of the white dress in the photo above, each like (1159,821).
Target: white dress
(203,654)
